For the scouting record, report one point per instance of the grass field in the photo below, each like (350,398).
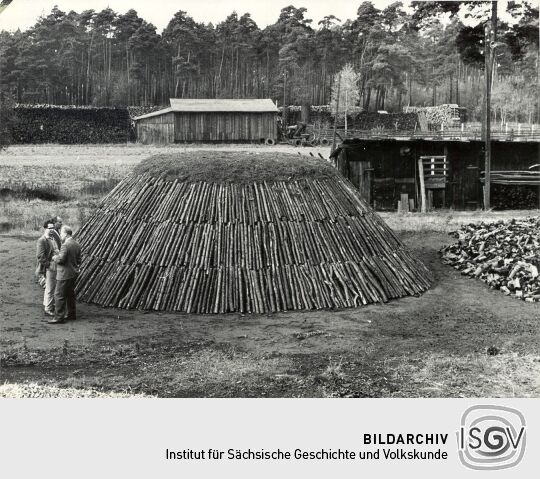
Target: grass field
(435,345)
(40,181)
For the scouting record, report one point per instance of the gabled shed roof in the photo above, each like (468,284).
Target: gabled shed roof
(216,106)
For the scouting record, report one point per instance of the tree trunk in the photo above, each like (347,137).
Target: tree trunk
(267,73)
(363,91)
(306,110)
(109,74)
(236,73)
(88,68)
(324,69)
(146,85)
(127,71)
(218,80)
(368,99)
(284,89)
(410,90)
(346,109)
(231,86)
(457,81)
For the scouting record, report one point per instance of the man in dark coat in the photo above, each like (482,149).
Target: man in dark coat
(68,262)
(47,247)
(43,254)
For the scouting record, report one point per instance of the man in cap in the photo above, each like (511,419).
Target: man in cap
(68,262)
(47,247)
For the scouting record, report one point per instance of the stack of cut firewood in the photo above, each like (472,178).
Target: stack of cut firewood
(389,121)
(436,115)
(70,125)
(505,255)
(506,197)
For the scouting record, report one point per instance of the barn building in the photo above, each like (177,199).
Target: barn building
(210,120)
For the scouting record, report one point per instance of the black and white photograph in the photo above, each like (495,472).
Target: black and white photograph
(266,199)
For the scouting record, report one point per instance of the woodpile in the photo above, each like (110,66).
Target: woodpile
(385,121)
(517,197)
(322,117)
(516,178)
(505,255)
(164,239)
(70,124)
(436,116)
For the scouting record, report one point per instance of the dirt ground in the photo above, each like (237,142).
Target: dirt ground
(433,345)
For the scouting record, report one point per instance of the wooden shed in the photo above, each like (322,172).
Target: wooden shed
(212,120)
(383,169)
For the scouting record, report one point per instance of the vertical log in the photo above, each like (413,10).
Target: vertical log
(422,186)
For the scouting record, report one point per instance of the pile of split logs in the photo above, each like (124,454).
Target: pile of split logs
(436,115)
(166,244)
(505,255)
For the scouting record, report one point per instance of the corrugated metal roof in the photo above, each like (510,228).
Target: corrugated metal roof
(216,106)
(220,105)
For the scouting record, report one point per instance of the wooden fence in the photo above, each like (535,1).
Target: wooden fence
(450,134)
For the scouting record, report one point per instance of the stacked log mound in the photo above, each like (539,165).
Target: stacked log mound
(505,255)
(222,232)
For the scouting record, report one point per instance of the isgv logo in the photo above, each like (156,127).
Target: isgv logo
(491,437)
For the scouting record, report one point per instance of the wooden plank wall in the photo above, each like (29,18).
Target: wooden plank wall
(193,127)
(156,129)
(463,189)
(358,172)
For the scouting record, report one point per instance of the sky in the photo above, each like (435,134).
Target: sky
(24,13)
